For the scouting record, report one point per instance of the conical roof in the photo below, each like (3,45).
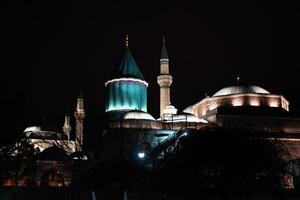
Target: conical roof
(164,53)
(127,68)
(80,95)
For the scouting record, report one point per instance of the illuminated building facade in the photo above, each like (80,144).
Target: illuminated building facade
(250,107)
(238,96)
(54,154)
(131,132)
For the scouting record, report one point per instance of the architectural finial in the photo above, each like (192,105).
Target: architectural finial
(126,42)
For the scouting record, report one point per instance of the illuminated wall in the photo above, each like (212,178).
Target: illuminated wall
(126,94)
(206,105)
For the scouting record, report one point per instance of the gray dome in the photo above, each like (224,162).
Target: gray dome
(240,90)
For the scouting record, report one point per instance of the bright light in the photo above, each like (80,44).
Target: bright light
(273,103)
(237,102)
(126,79)
(254,102)
(141,155)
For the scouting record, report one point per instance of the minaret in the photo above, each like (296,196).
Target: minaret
(164,79)
(67,125)
(79,116)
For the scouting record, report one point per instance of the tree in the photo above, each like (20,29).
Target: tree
(223,159)
(16,159)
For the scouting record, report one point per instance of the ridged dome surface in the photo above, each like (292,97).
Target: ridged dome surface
(134,114)
(240,90)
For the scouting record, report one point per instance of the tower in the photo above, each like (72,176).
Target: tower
(127,88)
(67,125)
(164,79)
(79,116)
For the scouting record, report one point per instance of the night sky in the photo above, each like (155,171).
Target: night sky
(57,48)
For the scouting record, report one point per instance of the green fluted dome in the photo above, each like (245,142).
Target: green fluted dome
(127,89)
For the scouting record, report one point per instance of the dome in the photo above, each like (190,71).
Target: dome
(138,115)
(171,110)
(240,90)
(33,129)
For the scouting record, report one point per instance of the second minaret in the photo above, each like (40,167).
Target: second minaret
(164,79)
(79,116)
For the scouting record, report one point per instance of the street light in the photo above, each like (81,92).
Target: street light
(141,155)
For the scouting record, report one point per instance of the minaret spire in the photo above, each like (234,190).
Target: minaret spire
(67,125)
(164,53)
(79,116)
(164,79)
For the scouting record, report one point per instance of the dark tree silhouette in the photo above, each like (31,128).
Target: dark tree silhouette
(16,159)
(225,160)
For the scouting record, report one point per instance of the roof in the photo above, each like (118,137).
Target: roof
(135,114)
(240,90)
(127,68)
(164,53)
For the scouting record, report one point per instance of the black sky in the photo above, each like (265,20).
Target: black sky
(56,48)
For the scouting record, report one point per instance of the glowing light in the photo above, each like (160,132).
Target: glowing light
(126,79)
(127,95)
(164,61)
(237,102)
(141,155)
(273,103)
(254,102)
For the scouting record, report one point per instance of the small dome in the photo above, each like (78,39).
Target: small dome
(33,129)
(138,115)
(240,90)
(170,110)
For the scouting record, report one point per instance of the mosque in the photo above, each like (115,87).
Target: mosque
(131,132)
(127,103)
(238,106)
